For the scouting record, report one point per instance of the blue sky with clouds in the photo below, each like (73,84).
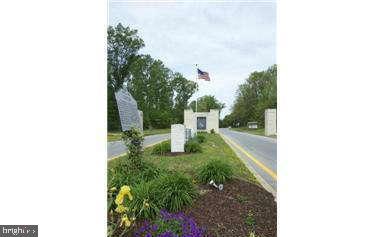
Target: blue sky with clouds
(228,39)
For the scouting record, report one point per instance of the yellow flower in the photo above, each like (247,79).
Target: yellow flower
(125,190)
(125,221)
(121,209)
(146,204)
(119,199)
(130,196)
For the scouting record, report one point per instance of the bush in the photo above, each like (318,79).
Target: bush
(215,170)
(175,191)
(162,148)
(125,174)
(144,205)
(171,225)
(192,146)
(213,131)
(201,138)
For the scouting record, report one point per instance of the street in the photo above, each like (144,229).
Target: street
(117,148)
(257,152)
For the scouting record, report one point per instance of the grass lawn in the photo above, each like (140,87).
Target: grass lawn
(258,131)
(213,147)
(116,136)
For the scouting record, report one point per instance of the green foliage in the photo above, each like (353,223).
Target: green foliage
(201,138)
(258,93)
(215,170)
(175,191)
(144,205)
(124,173)
(162,148)
(205,103)
(184,89)
(161,94)
(123,45)
(192,146)
(212,131)
(250,220)
(133,140)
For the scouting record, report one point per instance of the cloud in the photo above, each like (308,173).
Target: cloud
(229,40)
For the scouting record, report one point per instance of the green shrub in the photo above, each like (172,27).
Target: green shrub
(215,170)
(201,138)
(175,191)
(145,203)
(162,148)
(192,146)
(125,174)
(213,131)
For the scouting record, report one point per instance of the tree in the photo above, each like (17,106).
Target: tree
(205,103)
(151,86)
(184,89)
(258,93)
(123,45)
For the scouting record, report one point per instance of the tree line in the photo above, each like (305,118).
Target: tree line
(259,92)
(160,93)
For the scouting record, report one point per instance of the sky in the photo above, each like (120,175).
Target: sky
(229,40)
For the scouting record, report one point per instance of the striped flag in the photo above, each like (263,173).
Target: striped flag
(203,75)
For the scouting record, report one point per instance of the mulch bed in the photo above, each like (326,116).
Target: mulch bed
(237,210)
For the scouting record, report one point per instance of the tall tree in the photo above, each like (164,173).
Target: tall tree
(184,89)
(123,46)
(258,93)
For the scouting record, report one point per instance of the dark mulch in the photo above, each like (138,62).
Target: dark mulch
(240,208)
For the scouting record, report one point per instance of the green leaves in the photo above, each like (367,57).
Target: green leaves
(215,170)
(258,93)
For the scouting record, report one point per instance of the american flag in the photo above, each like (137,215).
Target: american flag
(203,75)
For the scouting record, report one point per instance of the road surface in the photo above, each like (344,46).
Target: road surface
(118,148)
(257,152)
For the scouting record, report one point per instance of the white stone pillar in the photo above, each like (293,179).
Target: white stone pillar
(177,137)
(270,122)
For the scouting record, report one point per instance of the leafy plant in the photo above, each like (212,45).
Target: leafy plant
(200,138)
(192,146)
(215,170)
(175,191)
(213,131)
(145,204)
(162,148)
(250,220)
(133,140)
(171,225)
(125,173)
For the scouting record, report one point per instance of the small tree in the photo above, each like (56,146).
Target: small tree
(133,139)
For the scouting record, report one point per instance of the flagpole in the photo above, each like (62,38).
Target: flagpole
(197,77)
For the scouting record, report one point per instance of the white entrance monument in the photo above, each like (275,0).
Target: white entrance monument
(270,122)
(202,121)
(177,137)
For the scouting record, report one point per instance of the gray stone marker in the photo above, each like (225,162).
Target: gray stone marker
(177,137)
(270,122)
(128,112)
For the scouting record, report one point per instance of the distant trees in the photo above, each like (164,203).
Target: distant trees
(205,103)
(258,93)
(161,94)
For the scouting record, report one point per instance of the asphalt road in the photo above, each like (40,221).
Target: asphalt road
(258,153)
(117,148)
